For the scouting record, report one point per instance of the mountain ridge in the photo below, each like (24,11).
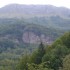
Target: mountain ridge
(21,10)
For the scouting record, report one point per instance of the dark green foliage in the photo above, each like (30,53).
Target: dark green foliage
(55,57)
(64,40)
(23,64)
(12,46)
(6,43)
(66,63)
(53,60)
(41,52)
(57,22)
(60,48)
(37,55)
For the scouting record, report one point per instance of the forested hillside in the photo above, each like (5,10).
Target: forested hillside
(17,36)
(14,45)
(28,28)
(53,57)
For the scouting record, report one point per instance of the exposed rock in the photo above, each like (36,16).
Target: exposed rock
(30,37)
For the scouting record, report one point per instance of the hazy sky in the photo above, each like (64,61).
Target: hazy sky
(65,3)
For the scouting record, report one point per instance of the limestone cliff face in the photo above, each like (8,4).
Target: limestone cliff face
(31,37)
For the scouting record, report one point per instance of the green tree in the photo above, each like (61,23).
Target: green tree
(66,63)
(53,58)
(37,55)
(23,64)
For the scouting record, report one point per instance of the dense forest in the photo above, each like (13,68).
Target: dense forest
(53,57)
(13,44)
(17,54)
(34,38)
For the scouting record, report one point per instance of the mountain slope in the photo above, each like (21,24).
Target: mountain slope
(16,29)
(17,10)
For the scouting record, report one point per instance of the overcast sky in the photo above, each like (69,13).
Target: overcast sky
(65,3)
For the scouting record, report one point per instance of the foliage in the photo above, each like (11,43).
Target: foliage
(23,64)
(12,46)
(37,55)
(55,58)
(66,63)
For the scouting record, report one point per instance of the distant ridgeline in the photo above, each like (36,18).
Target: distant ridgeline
(27,11)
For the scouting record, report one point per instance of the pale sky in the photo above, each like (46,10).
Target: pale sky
(58,3)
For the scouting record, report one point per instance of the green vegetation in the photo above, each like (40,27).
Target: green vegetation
(37,56)
(66,63)
(56,58)
(12,46)
(29,39)
(56,22)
